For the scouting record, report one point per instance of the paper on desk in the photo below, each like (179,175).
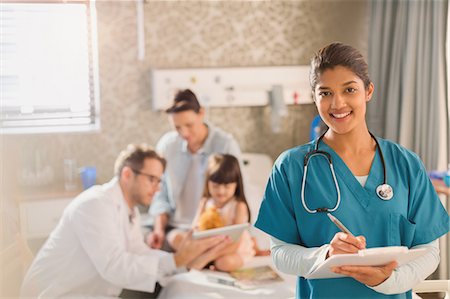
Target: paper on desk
(368,257)
(251,278)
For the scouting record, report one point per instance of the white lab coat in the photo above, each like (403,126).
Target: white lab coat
(95,251)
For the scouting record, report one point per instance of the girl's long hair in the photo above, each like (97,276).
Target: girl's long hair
(225,169)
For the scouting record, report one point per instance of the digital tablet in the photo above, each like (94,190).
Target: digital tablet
(233,231)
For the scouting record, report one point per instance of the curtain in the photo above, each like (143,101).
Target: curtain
(407,64)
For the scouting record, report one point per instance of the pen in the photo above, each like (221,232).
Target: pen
(223,281)
(339,224)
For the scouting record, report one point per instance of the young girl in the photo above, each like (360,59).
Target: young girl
(378,189)
(223,203)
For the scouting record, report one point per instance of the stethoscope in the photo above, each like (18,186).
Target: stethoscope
(384,191)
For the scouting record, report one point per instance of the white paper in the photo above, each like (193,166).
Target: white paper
(368,257)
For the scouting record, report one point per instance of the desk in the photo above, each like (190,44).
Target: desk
(194,284)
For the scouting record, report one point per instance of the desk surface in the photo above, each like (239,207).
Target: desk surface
(194,284)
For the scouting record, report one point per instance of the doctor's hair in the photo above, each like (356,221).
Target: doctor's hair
(134,156)
(225,169)
(338,54)
(184,100)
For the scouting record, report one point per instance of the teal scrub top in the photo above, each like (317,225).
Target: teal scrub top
(412,217)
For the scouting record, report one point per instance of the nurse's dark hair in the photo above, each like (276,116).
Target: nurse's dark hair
(184,100)
(225,169)
(134,156)
(338,54)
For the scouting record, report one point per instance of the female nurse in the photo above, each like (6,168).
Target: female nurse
(302,235)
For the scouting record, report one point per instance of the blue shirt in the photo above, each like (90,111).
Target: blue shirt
(412,217)
(175,150)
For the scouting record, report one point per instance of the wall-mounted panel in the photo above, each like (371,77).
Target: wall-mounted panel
(224,87)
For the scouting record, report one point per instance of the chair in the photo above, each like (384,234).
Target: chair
(434,286)
(14,262)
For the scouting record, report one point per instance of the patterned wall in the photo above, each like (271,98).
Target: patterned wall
(189,34)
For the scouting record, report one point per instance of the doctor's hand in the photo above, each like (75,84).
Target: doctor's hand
(343,243)
(210,255)
(368,275)
(155,239)
(198,253)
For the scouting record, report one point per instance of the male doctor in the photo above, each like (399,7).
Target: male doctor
(97,249)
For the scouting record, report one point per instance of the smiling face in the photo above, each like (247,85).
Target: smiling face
(341,99)
(189,124)
(221,193)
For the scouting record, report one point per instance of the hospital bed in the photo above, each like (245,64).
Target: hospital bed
(196,284)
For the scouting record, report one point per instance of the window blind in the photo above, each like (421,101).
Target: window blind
(49,69)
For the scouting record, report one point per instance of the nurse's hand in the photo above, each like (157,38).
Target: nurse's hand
(368,275)
(343,243)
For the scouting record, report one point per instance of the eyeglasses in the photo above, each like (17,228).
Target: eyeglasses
(151,178)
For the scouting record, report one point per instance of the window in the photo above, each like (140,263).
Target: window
(49,68)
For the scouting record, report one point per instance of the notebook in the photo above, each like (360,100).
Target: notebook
(377,256)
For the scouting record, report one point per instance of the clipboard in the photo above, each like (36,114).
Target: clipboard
(377,256)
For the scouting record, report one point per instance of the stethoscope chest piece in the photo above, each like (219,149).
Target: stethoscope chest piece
(385,192)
